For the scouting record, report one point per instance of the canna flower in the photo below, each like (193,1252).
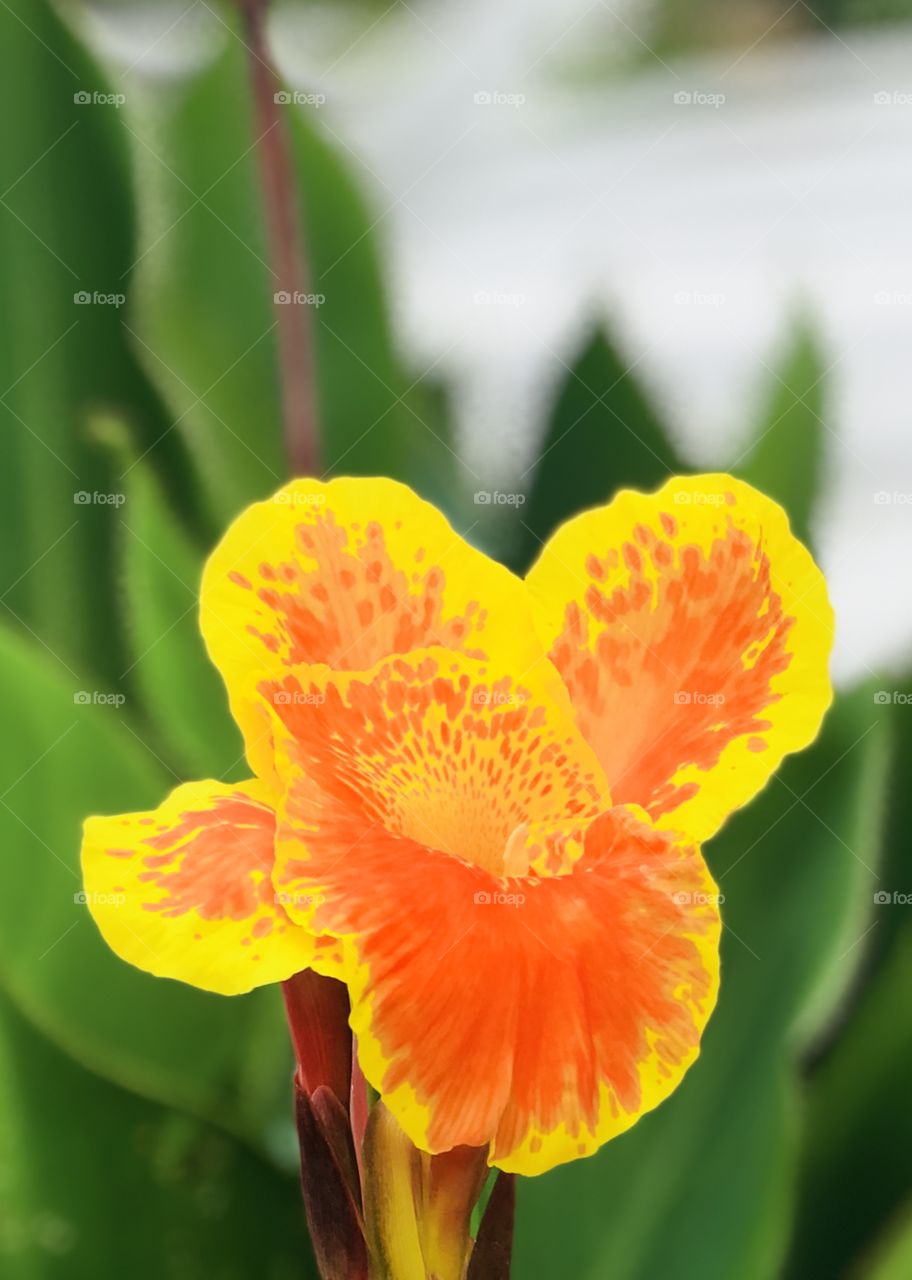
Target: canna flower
(479,801)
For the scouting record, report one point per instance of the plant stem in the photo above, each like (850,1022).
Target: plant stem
(493,1251)
(317,1010)
(359,1107)
(286,250)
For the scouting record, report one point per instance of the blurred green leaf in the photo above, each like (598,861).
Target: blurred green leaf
(375,421)
(431,462)
(206,327)
(786,460)
(604,435)
(183,696)
(803,863)
(203,293)
(97,1182)
(225,1059)
(856,1172)
(893,1260)
(700,1189)
(65,251)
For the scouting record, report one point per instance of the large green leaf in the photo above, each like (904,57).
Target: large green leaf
(603,435)
(68,758)
(203,313)
(375,420)
(183,696)
(893,1260)
(786,459)
(800,868)
(855,1171)
(205,316)
(65,251)
(700,1189)
(97,1182)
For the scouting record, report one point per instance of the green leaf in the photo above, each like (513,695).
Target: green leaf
(894,1257)
(225,1059)
(786,460)
(429,460)
(375,421)
(65,234)
(203,294)
(855,1172)
(193,1202)
(603,436)
(205,314)
(697,1189)
(802,865)
(183,695)
(701,1187)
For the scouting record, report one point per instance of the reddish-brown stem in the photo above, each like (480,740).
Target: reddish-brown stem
(329,1183)
(359,1109)
(317,1010)
(493,1251)
(286,250)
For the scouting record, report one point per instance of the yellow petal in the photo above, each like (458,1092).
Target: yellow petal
(185,891)
(693,632)
(348,573)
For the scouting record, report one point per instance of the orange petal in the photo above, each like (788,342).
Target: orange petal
(434,747)
(185,891)
(542,1010)
(542,1015)
(693,631)
(348,573)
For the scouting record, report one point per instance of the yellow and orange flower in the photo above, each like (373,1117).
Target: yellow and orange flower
(479,801)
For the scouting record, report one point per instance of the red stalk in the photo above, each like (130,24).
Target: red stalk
(286,249)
